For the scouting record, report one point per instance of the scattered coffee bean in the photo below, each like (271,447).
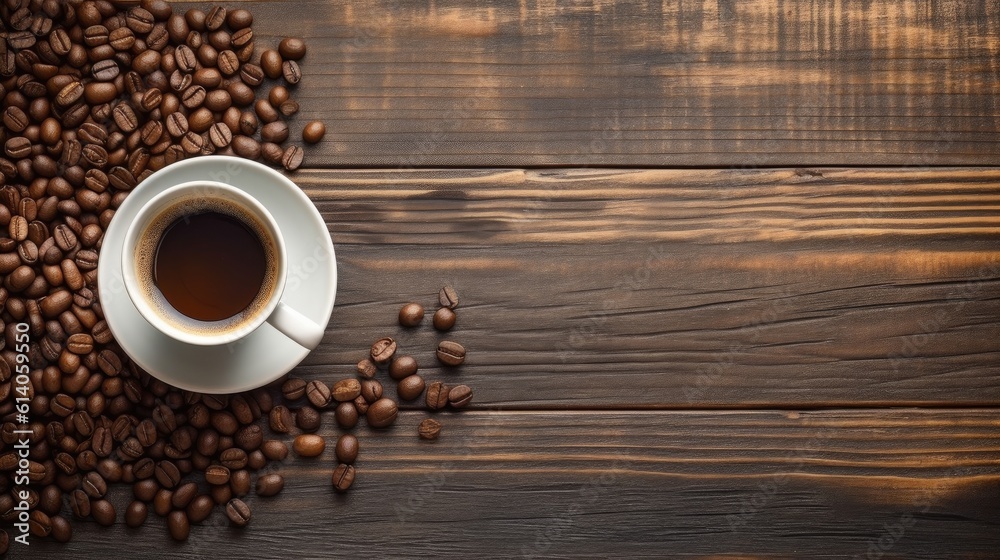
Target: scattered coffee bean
(238,512)
(347,449)
(308,419)
(448,297)
(429,429)
(402,367)
(292,48)
(309,445)
(347,415)
(450,353)
(178,525)
(135,514)
(437,396)
(460,396)
(367,368)
(270,485)
(346,390)
(313,132)
(444,319)
(382,413)
(411,314)
(343,477)
(319,393)
(410,388)
(383,350)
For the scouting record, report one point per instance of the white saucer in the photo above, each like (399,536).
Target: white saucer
(265,354)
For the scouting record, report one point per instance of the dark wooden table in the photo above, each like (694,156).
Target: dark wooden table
(729,271)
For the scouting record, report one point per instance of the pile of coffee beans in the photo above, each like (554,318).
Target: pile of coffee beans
(98,95)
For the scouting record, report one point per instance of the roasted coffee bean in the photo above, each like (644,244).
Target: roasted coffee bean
(429,429)
(294,388)
(346,390)
(402,367)
(292,158)
(39,524)
(346,415)
(276,132)
(200,508)
(347,449)
(79,502)
(383,350)
(246,147)
(274,450)
(217,474)
(62,531)
(251,74)
(103,512)
(450,353)
(177,124)
(314,132)
(220,135)
(167,474)
(238,512)
(270,485)
(448,297)
(270,63)
(183,495)
(233,458)
(444,319)
(187,61)
(367,368)
(266,111)
(239,483)
(80,343)
(309,445)
(292,48)
(371,390)
(437,395)
(271,153)
(318,393)
(291,72)
(343,477)
(308,419)
(291,107)
(411,314)
(382,413)
(280,419)
(410,388)
(249,437)
(94,485)
(229,63)
(135,514)
(178,525)
(460,396)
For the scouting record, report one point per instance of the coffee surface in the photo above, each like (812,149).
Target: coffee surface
(209,266)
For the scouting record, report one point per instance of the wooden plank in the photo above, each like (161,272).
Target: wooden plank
(830,484)
(692,83)
(651,288)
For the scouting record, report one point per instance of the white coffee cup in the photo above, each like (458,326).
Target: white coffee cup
(138,256)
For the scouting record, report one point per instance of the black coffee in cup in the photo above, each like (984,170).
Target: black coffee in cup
(209,266)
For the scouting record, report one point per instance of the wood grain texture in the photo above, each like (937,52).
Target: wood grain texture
(769,484)
(644,288)
(692,83)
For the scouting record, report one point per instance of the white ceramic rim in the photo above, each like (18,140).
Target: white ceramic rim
(142,220)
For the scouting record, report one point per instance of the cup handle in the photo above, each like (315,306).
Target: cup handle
(296,326)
